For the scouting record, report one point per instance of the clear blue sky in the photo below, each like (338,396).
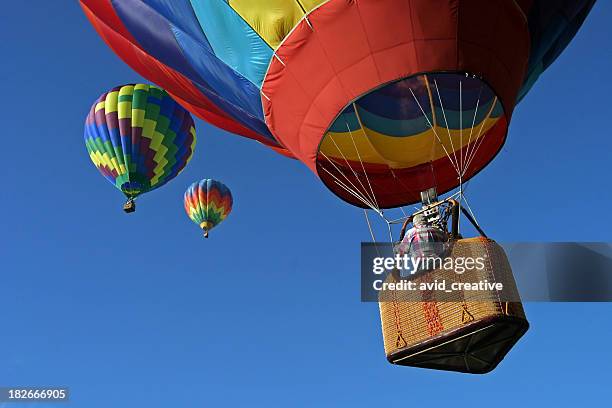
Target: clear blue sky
(140,311)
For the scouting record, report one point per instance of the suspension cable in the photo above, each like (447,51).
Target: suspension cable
(446,123)
(362,165)
(355,190)
(372,199)
(434,130)
(479,139)
(463,170)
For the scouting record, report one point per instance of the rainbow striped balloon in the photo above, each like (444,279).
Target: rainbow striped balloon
(208,202)
(139,138)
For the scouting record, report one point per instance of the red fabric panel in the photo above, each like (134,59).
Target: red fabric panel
(354,47)
(111,29)
(104,10)
(525,5)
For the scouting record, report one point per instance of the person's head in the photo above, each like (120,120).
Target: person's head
(419,220)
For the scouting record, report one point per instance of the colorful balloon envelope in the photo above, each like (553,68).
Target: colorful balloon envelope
(381,98)
(139,138)
(207,203)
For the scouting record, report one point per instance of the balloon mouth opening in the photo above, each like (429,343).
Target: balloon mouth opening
(426,130)
(131,189)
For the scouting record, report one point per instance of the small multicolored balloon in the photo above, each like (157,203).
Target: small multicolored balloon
(139,138)
(207,203)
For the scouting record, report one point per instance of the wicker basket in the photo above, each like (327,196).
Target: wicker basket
(129,206)
(472,333)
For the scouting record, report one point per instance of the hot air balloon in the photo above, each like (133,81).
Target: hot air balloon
(139,138)
(385,100)
(207,203)
(382,99)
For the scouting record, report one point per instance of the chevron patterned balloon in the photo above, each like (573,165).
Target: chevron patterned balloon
(139,138)
(207,203)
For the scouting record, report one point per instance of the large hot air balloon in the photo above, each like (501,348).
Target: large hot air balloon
(207,203)
(382,99)
(139,138)
(389,102)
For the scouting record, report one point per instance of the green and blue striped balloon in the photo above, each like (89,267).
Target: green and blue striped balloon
(139,138)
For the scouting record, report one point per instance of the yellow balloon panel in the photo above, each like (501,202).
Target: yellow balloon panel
(273,20)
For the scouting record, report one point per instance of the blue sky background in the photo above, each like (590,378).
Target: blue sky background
(140,311)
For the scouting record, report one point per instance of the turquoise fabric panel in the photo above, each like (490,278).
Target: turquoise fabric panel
(233,40)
